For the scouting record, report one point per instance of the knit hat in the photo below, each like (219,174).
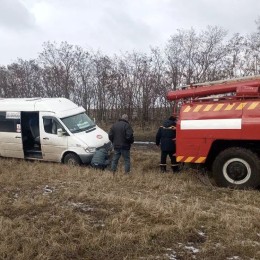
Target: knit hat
(124,116)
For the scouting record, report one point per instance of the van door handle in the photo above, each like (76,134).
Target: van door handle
(45,138)
(18,137)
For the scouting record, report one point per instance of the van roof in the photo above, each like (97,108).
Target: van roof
(55,105)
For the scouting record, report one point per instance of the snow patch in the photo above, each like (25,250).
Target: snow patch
(47,190)
(82,206)
(171,255)
(139,142)
(201,233)
(193,249)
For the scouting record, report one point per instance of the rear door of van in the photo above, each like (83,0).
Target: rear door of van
(11,144)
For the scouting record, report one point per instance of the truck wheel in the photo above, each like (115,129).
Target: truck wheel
(72,159)
(237,168)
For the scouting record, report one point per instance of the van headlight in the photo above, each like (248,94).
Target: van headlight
(90,149)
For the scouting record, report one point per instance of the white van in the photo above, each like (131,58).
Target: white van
(48,129)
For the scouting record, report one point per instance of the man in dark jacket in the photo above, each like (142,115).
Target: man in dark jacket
(121,135)
(166,138)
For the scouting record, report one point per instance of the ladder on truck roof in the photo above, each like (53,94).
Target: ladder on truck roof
(246,87)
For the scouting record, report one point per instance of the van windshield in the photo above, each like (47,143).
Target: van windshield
(78,123)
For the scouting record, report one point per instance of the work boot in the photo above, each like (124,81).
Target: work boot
(163,168)
(175,168)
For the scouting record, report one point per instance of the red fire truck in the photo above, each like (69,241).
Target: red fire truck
(219,127)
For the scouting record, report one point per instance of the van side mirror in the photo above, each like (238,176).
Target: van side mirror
(59,132)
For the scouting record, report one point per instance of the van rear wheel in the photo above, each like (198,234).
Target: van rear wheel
(237,168)
(72,159)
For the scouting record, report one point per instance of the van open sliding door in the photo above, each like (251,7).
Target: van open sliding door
(31,135)
(11,144)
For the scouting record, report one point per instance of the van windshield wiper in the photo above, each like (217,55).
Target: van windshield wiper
(87,129)
(90,128)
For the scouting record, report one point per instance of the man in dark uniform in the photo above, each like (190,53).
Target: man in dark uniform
(166,138)
(121,135)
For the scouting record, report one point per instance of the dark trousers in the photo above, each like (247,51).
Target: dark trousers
(116,157)
(174,164)
(100,166)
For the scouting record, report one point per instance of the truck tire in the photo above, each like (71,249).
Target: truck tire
(237,168)
(72,159)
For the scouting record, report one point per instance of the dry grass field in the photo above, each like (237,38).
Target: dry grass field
(52,211)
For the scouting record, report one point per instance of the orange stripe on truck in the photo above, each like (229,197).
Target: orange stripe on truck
(187,109)
(208,107)
(191,159)
(179,158)
(197,108)
(218,107)
(253,105)
(200,160)
(230,106)
(222,107)
(241,106)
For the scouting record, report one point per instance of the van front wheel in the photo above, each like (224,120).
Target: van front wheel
(72,159)
(237,168)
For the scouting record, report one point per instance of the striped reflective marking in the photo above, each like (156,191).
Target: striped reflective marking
(187,109)
(221,107)
(241,106)
(235,123)
(253,105)
(229,106)
(208,107)
(200,160)
(189,159)
(218,107)
(179,158)
(197,108)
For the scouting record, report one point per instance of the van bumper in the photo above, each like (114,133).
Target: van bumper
(86,158)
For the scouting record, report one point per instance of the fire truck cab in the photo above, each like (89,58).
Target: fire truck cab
(221,132)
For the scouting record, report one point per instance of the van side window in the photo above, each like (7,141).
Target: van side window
(8,124)
(51,125)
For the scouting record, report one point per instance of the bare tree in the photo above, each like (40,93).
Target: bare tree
(83,75)
(235,58)
(193,57)
(4,84)
(25,79)
(58,63)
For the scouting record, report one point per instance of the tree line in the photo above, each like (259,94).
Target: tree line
(134,83)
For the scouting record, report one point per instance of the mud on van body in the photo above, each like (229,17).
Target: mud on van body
(48,129)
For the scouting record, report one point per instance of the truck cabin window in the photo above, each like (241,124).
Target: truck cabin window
(78,123)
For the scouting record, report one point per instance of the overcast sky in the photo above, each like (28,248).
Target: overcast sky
(112,26)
